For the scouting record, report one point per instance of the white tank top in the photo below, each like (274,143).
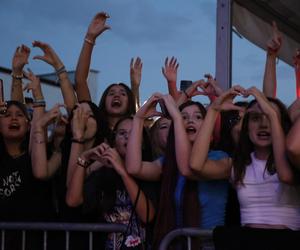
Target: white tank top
(264,199)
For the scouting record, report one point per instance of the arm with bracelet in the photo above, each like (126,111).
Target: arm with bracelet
(41,166)
(19,60)
(96,27)
(39,103)
(53,59)
(79,127)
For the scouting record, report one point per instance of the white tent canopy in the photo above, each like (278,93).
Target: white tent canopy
(253,19)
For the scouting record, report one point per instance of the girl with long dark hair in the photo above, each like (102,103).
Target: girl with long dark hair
(259,170)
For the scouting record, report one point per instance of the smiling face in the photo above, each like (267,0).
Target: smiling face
(116,101)
(193,118)
(122,134)
(14,124)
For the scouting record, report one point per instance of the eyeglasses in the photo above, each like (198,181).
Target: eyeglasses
(123,133)
(234,120)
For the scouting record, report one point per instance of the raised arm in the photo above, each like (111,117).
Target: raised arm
(182,144)
(39,103)
(41,166)
(293,137)
(170,73)
(273,46)
(283,168)
(134,163)
(19,60)
(78,125)
(297,71)
(53,59)
(96,28)
(135,79)
(198,161)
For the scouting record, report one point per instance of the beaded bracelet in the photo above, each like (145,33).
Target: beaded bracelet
(83,163)
(61,70)
(89,41)
(18,77)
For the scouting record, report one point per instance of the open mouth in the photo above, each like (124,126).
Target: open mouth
(263,135)
(116,103)
(14,126)
(190,130)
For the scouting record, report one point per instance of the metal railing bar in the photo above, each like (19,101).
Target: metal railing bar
(45,240)
(67,239)
(90,240)
(187,232)
(2,239)
(23,239)
(51,226)
(189,243)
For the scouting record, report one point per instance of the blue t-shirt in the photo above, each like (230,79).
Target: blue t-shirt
(212,195)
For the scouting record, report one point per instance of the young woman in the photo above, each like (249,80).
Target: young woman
(259,171)
(109,192)
(22,196)
(117,100)
(159,134)
(177,191)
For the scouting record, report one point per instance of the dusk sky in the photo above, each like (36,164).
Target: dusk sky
(150,29)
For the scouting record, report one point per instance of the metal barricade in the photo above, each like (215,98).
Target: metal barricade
(67,227)
(189,233)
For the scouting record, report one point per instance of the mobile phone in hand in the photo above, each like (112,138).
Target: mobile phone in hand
(184,84)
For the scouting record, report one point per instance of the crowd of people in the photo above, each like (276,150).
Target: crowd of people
(232,167)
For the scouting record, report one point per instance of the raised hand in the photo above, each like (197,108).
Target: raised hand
(34,85)
(49,117)
(148,110)
(20,58)
(171,106)
(170,69)
(97,26)
(274,44)
(211,86)
(225,100)
(262,100)
(79,122)
(112,156)
(136,66)
(49,56)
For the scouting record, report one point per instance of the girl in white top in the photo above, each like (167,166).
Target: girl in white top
(259,171)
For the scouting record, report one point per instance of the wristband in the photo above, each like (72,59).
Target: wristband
(61,70)
(89,41)
(83,163)
(77,141)
(18,77)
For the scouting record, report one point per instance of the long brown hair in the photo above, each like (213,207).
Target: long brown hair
(242,156)
(166,217)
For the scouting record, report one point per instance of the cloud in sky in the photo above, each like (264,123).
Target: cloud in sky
(148,28)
